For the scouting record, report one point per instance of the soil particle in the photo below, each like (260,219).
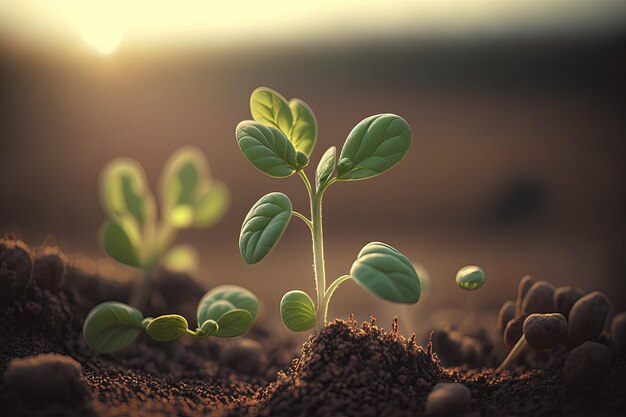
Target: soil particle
(565,298)
(47,377)
(448,399)
(618,333)
(587,318)
(585,364)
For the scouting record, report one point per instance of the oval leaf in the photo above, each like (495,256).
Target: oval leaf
(326,167)
(386,273)
(303,133)
(234,323)
(263,226)
(267,148)
(270,108)
(208,328)
(470,277)
(124,191)
(297,311)
(374,145)
(167,328)
(121,241)
(216,302)
(111,327)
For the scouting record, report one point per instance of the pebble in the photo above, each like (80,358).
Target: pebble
(585,364)
(15,267)
(49,268)
(587,317)
(507,313)
(618,333)
(545,331)
(524,285)
(565,298)
(448,399)
(47,377)
(539,299)
(244,355)
(513,331)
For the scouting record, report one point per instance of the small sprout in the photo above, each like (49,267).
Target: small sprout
(565,298)
(225,311)
(587,317)
(470,277)
(586,364)
(448,399)
(134,235)
(539,299)
(524,285)
(545,331)
(279,142)
(507,313)
(618,333)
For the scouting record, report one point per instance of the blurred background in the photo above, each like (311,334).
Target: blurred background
(517,110)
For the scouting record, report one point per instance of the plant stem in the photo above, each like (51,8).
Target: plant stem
(140,294)
(304,219)
(329,293)
(513,354)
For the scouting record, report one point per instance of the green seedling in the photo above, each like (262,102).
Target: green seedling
(279,142)
(225,311)
(470,277)
(134,235)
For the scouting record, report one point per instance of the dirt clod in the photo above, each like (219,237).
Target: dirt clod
(15,268)
(245,355)
(448,399)
(49,268)
(585,364)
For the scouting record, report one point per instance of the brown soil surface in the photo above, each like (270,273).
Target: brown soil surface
(349,369)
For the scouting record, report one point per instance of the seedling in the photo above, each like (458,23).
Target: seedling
(225,311)
(279,142)
(132,233)
(470,277)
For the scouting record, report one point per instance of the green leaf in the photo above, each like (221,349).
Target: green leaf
(270,108)
(374,145)
(386,273)
(211,205)
(267,148)
(182,258)
(325,167)
(124,191)
(470,277)
(263,226)
(234,323)
(297,311)
(121,240)
(111,327)
(167,328)
(208,328)
(303,132)
(221,299)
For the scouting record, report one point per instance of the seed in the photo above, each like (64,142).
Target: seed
(507,313)
(565,297)
(513,331)
(524,285)
(618,332)
(539,299)
(587,318)
(585,364)
(448,399)
(544,331)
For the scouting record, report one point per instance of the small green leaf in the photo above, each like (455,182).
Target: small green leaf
(211,205)
(301,160)
(270,108)
(121,240)
(303,132)
(470,277)
(218,301)
(167,328)
(267,148)
(263,226)
(374,145)
(386,273)
(112,326)
(182,258)
(234,323)
(325,167)
(208,328)
(297,311)
(124,191)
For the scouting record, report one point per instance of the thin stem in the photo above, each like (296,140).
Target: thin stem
(304,219)
(329,293)
(191,332)
(513,354)
(307,183)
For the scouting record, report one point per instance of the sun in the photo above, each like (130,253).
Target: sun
(105,40)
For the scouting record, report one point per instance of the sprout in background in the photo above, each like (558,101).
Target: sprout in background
(134,235)
(224,311)
(279,142)
(470,277)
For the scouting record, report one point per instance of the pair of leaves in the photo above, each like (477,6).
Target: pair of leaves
(225,311)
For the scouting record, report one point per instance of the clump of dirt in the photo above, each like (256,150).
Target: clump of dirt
(350,369)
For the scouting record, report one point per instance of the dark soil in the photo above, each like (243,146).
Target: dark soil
(349,369)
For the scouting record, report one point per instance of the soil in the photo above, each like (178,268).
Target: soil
(349,369)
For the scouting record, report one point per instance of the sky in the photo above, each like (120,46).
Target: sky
(107,25)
